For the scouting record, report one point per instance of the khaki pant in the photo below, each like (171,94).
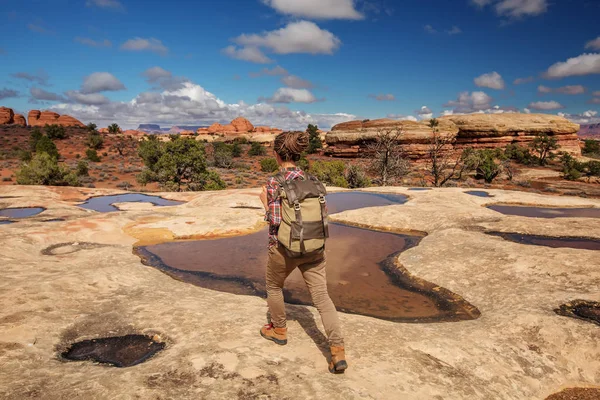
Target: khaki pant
(279,267)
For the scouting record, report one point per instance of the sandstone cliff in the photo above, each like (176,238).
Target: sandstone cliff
(41,118)
(238,128)
(350,139)
(8,117)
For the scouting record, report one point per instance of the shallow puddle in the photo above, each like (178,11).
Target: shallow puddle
(548,241)
(546,212)
(357,261)
(344,201)
(5,222)
(23,212)
(478,193)
(120,351)
(105,203)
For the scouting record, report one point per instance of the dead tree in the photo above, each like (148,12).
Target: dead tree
(387,161)
(442,165)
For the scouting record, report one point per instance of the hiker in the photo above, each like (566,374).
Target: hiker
(297,214)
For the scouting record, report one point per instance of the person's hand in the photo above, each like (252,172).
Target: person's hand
(263,198)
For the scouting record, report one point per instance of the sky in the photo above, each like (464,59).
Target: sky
(288,63)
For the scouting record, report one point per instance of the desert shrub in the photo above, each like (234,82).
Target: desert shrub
(179,164)
(240,140)
(330,172)
(24,155)
(356,177)
(314,139)
(114,129)
(236,149)
(257,149)
(44,169)
(269,165)
(303,163)
(34,137)
(95,141)
(55,131)
(104,154)
(486,163)
(571,168)
(591,148)
(242,166)
(543,146)
(91,127)
(78,155)
(92,155)
(82,168)
(222,156)
(520,154)
(124,185)
(46,145)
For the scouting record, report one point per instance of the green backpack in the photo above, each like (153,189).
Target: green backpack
(304,227)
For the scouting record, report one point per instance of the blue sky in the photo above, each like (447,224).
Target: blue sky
(286,63)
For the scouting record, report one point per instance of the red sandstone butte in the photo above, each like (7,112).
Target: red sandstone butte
(6,116)
(41,118)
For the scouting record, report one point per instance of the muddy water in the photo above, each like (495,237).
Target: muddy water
(478,193)
(555,242)
(546,212)
(105,203)
(357,283)
(344,201)
(21,212)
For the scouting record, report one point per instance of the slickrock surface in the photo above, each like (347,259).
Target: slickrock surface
(350,139)
(91,285)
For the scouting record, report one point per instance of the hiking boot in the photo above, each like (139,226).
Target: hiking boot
(338,362)
(277,335)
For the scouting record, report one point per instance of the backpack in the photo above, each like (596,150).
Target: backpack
(304,226)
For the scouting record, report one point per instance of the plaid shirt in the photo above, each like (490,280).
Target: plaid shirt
(273,215)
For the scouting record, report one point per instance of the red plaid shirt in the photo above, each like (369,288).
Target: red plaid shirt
(273,215)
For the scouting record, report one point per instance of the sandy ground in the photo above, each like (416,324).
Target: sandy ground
(518,349)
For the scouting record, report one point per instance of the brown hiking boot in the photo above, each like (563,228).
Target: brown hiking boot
(338,362)
(277,335)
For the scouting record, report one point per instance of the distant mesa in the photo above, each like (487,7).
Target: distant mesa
(8,117)
(590,131)
(42,118)
(238,126)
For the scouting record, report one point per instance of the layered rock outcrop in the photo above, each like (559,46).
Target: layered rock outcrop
(238,128)
(480,131)
(20,120)
(8,117)
(41,118)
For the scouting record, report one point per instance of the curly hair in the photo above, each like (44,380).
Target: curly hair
(290,145)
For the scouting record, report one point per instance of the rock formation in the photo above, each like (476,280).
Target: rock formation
(41,118)
(480,131)
(20,120)
(238,126)
(8,117)
(242,125)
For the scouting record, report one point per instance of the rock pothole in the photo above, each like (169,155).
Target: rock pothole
(71,247)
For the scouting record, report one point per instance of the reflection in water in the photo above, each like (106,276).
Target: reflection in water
(344,201)
(21,212)
(546,212)
(478,193)
(105,203)
(555,242)
(5,222)
(356,279)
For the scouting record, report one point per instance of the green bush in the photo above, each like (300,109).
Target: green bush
(34,137)
(24,155)
(330,172)
(486,163)
(223,158)
(356,177)
(520,154)
(269,165)
(591,148)
(236,149)
(55,131)
(91,127)
(82,168)
(303,163)
(95,141)
(46,145)
(542,146)
(257,149)
(45,170)
(314,141)
(92,155)
(572,169)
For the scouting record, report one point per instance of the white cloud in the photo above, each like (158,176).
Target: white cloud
(41,94)
(515,8)
(527,111)
(291,95)
(593,44)
(425,113)
(383,97)
(154,74)
(252,54)
(295,37)
(492,80)
(141,44)
(89,99)
(402,117)
(521,81)
(545,105)
(296,82)
(111,4)
(544,89)
(572,89)
(269,72)
(470,102)
(429,29)
(454,31)
(586,117)
(316,9)
(100,82)
(585,64)
(93,43)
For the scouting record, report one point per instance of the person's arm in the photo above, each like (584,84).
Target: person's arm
(272,203)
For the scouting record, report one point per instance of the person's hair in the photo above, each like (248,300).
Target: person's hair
(290,145)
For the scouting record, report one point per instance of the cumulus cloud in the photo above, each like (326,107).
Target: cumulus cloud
(291,95)
(252,54)
(593,44)
(402,117)
(316,9)
(586,117)
(41,94)
(470,102)
(193,105)
(429,29)
(88,99)
(296,82)
(585,64)
(154,74)
(93,43)
(544,89)
(571,89)
(8,93)
(515,8)
(269,72)
(109,4)
(546,105)
(521,81)
(383,97)
(455,30)
(424,113)
(142,44)
(100,82)
(40,77)
(164,79)
(492,80)
(295,37)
